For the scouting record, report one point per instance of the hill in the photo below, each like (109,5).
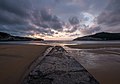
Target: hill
(8,37)
(102,36)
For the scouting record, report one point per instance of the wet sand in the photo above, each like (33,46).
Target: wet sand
(102,60)
(94,46)
(16,59)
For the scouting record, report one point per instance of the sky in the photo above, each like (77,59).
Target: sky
(59,19)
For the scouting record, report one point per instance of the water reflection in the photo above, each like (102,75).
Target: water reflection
(92,58)
(62,43)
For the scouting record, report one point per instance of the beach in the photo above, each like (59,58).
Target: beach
(15,60)
(101,60)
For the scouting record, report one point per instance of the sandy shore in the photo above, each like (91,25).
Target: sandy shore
(103,64)
(16,59)
(107,74)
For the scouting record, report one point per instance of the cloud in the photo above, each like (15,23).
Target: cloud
(24,19)
(18,7)
(10,18)
(14,11)
(73,20)
(73,29)
(111,15)
(73,25)
(45,19)
(91,30)
(74,35)
(52,20)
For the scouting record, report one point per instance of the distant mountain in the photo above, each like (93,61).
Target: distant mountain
(8,37)
(102,36)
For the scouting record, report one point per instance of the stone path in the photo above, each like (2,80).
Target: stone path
(57,67)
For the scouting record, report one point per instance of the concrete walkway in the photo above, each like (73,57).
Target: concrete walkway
(58,67)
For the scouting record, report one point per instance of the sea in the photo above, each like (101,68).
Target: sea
(58,42)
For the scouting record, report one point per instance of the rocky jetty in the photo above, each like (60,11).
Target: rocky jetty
(58,67)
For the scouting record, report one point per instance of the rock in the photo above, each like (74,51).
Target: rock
(57,67)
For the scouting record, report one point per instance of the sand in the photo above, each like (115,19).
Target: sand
(103,64)
(15,61)
(107,74)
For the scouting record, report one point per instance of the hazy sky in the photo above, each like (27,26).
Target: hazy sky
(59,19)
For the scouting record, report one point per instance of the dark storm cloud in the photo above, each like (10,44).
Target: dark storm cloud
(14,11)
(10,18)
(23,30)
(75,7)
(19,16)
(52,20)
(46,19)
(18,7)
(26,17)
(45,15)
(91,30)
(74,24)
(73,29)
(13,16)
(73,20)
(111,15)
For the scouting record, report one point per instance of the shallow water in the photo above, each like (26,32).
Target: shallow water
(58,42)
(92,58)
(102,63)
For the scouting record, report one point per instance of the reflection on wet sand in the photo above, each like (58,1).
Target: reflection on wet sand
(102,63)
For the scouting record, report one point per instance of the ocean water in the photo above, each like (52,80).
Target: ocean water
(62,43)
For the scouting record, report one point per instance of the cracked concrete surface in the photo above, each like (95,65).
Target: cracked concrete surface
(58,67)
